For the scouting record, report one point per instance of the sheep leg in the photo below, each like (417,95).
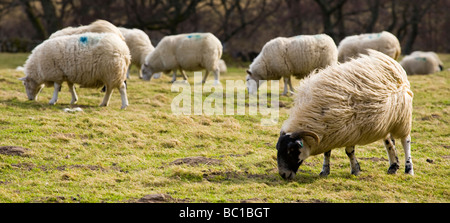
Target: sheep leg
(174,76)
(290,86)
(73,93)
(286,80)
(206,76)
(389,144)
(55,93)
(108,93)
(184,75)
(350,151)
(326,164)
(216,76)
(406,143)
(123,95)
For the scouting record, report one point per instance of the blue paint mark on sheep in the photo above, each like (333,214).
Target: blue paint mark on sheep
(421,58)
(83,40)
(375,36)
(194,36)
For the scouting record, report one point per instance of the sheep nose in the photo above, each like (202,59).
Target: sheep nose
(287,176)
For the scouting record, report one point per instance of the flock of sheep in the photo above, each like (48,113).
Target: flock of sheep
(352,94)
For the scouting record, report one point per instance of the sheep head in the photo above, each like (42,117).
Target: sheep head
(293,149)
(31,87)
(146,71)
(252,82)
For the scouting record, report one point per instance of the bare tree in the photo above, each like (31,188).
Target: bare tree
(235,16)
(418,10)
(164,16)
(374,8)
(332,17)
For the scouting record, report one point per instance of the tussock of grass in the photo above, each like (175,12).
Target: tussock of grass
(113,155)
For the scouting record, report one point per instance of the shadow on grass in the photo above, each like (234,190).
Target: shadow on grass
(40,105)
(271,178)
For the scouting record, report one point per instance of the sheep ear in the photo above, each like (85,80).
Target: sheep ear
(249,72)
(282,133)
(302,134)
(22,78)
(299,142)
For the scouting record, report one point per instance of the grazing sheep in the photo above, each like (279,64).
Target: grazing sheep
(190,52)
(99,26)
(353,103)
(432,54)
(140,46)
(420,62)
(298,56)
(92,60)
(352,46)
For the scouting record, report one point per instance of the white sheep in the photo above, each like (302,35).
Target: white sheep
(190,52)
(353,103)
(352,46)
(91,60)
(432,54)
(140,46)
(298,56)
(98,26)
(419,62)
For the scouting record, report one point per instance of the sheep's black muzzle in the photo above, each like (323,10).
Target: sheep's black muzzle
(288,157)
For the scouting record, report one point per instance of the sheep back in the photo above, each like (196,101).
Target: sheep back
(305,53)
(190,52)
(298,56)
(139,44)
(99,26)
(420,64)
(197,51)
(352,46)
(353,103)
(89,59)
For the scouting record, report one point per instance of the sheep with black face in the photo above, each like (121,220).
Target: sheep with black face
(354,103)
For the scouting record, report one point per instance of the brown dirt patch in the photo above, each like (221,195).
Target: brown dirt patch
(24,166)
(159,198)
(78,166)
(374,159)
(14,150)
(196,160)
(229,175)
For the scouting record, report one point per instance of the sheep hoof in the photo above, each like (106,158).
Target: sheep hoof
(356,172)
(52,103)
(124,106)
(409,170)
(325,171)
(393,168)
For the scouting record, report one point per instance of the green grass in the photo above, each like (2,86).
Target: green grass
(105,154)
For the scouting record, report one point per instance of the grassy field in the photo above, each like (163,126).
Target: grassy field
(145,153)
